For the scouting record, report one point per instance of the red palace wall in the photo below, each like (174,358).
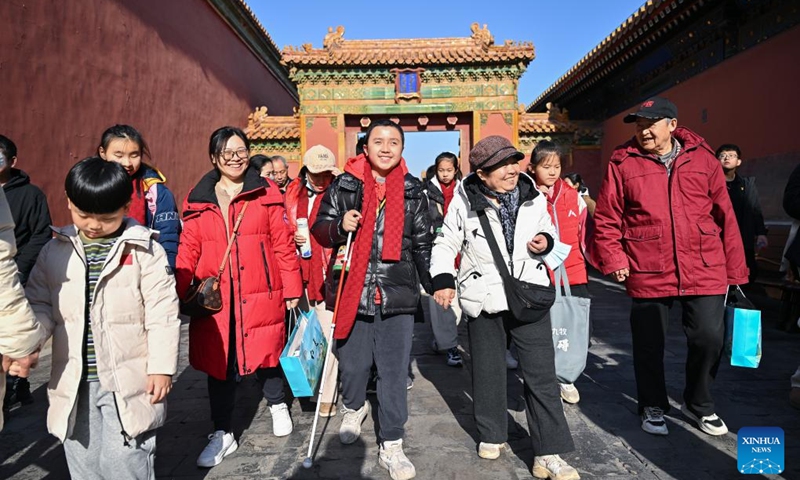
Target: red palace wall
(749,100)
(174,70)
(586,161)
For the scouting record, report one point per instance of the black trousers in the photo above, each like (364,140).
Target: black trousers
(222,393)
(704,326)
(387,342)
(546,422)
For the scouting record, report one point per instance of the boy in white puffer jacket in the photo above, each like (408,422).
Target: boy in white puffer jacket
(104,290)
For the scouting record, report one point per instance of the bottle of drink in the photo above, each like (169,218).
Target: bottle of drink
(302,229)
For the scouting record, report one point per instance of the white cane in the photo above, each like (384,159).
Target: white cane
(308,462)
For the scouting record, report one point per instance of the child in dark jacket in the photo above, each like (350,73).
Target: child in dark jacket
(440,188)
(152,204)
(28,205)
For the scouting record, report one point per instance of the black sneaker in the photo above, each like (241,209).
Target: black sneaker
(454,358)
(10,398)
(23,389)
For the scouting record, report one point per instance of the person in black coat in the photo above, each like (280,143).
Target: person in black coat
(791,205)
(31,216)
(746,205)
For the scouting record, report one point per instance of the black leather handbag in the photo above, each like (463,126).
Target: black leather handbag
(528,302)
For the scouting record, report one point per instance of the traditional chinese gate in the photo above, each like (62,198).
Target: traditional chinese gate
(466,84)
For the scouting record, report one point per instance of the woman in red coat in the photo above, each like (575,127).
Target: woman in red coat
(247,335)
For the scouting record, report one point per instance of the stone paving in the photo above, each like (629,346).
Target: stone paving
(441,435)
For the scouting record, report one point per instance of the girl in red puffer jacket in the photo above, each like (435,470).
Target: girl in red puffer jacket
(569,213)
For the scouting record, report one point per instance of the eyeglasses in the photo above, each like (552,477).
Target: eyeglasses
(728,156)
(227,155)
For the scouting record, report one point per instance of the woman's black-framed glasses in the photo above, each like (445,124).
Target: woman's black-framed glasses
(227,155)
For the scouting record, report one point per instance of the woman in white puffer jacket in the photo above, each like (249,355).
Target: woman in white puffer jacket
(517,214)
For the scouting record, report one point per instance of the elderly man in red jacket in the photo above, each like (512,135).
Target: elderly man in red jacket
(665,227)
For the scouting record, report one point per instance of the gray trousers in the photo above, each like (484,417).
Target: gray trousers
(444,323)
(96,450)
(387,341)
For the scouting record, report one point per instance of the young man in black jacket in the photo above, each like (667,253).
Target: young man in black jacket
(31,216)
(383,207)
(746,205)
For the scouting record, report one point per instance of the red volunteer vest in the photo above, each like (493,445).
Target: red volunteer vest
(565,205)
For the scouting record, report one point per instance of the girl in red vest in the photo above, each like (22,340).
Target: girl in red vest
(568,211)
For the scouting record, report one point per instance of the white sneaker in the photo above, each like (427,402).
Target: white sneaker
(553,467)
(351,423)
(511,362)
(392,458)
(490,451)
(281,421)
(569,393)
(653,421)
(711,424)
(220,445)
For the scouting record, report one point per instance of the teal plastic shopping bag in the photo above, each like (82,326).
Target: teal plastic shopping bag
(742,331)
(303,357)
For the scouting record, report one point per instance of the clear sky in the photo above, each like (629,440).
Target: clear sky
(562,31)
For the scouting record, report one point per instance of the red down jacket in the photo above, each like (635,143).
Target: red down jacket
(677,232)
(263,265)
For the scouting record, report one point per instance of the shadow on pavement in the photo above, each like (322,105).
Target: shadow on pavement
(743,397)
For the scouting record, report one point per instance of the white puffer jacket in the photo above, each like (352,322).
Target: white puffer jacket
(19,333)
(135,324)
(479,285)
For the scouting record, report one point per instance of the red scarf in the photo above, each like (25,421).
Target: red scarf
(311,268)
(393,225)
(138,205)
(448,191)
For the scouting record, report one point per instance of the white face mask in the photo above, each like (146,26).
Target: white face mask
(3,162)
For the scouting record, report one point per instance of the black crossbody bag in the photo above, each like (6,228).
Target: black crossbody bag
(528,302)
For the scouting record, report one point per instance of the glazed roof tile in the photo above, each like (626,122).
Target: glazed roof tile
(533,123)
(261,126)
(479,48)
(644,26)
(255,20)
